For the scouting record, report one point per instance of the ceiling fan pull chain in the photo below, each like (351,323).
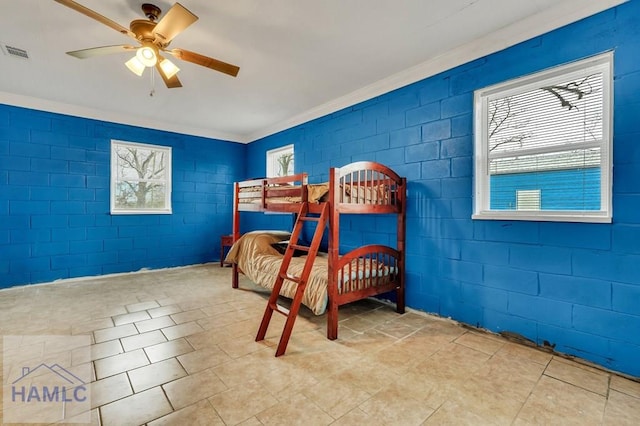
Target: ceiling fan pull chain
(153,86)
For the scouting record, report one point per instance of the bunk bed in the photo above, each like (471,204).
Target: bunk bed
(336,279)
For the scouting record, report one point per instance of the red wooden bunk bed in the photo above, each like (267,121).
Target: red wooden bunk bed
(357,188)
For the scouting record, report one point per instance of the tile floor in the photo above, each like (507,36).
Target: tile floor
(176,347)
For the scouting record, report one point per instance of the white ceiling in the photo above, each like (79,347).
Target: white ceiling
(299,59)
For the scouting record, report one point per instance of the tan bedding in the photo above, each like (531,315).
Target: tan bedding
(315,192)
(261,263)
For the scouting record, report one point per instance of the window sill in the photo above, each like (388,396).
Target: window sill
(596,217)
(130,212)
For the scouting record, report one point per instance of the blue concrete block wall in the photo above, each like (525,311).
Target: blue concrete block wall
(552,195)
(54,200)
(572,285)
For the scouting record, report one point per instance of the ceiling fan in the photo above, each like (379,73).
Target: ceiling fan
(154,39)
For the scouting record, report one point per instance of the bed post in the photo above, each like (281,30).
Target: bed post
(401,235)
(236,231)
(334,244)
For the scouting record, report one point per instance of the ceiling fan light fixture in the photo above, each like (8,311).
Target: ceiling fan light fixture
(147,56)
(170,69)
(135,66)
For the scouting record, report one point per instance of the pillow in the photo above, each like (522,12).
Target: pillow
(281,246)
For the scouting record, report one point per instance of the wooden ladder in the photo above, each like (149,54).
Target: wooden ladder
(301,281)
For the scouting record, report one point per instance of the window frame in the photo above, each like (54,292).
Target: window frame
(482,191)
(167,209)
(272,156)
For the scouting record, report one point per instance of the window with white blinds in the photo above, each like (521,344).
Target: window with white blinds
(543,145)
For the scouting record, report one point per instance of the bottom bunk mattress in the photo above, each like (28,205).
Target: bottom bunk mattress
(256,255)
(259,260)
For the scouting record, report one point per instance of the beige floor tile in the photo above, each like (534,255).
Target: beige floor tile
(210,337)
(191,304)
(510,377)
(422,387)
(110,389)
(164,311)
(155,374)
(218,309)
(243,344)
(168,349)
(182,330)
(108,310)
(253,421)
(383,314)
(193,388)
(366,342)
(452,413)
(188,316)
(357,417)
(452,361)
(250,327)
(242,370)
(586,378)
(131,317)
(285,380)
(516,351)
(499,406)
(154,324)
(143,340)
(621,409)
(393,406)
(142,306)
(120,363)
(106,349)
(625,385)
(296,410)
(115,333)
(97,351)
(165,301)
(94,419)
(242,402)
(203,359)
(555,402)
(398,357)
(358,323)
(370,377)
(395,329)
(89,326)
(482,343)
(136,409)
(336,397)
(321,363)
(441,330)
(198,414)
(415,320)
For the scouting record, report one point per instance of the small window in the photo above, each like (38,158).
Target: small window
(280,161)
(140,178)
(543,145)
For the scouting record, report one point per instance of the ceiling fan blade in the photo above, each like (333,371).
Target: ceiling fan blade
(95,15)
(205,61)
(172,82)
(100,51)
(173,23)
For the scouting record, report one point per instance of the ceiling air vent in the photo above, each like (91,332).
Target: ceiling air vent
(14,51)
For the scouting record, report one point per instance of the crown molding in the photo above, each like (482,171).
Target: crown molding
(113,117)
